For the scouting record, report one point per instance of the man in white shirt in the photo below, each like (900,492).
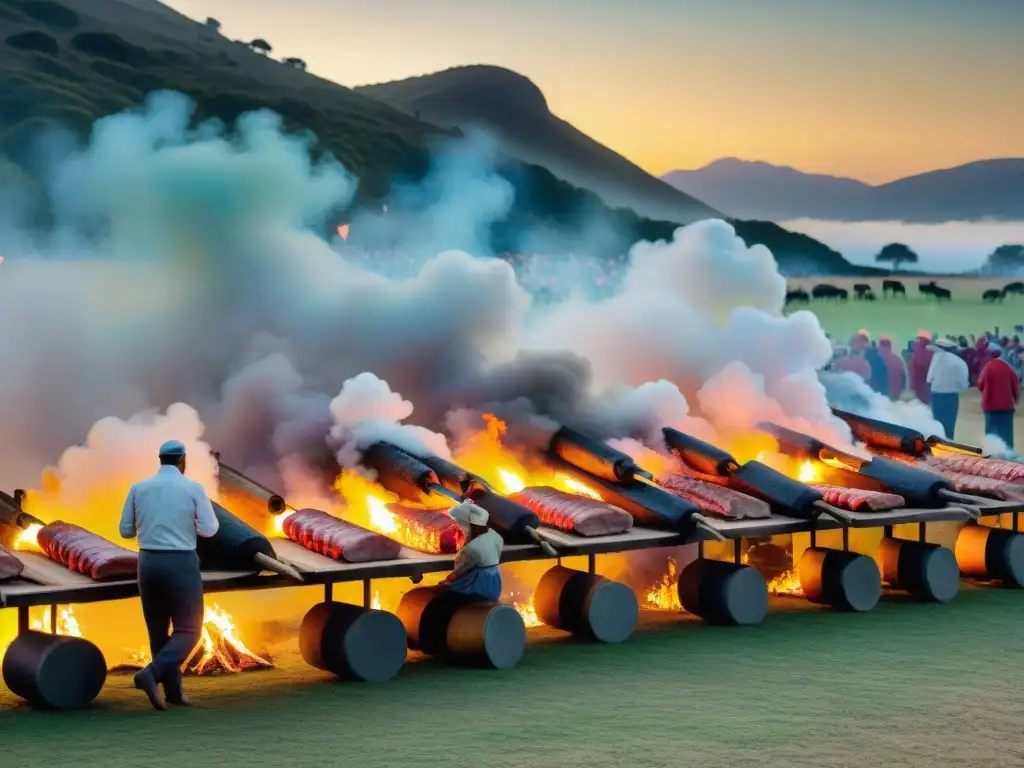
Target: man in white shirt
(948,377)
(167,511)
(476,571)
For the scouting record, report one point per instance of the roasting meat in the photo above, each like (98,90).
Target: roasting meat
(331,536)
(10,566)
(995,469)
(856,499)
(83,551)
(715,499)
(574,514)
(984,486)
(427,530)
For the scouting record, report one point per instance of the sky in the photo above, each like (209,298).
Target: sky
(871,89)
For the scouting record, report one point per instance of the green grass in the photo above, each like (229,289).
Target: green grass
(903,319)
(908,684)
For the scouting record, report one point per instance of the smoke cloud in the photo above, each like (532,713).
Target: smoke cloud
(188,264)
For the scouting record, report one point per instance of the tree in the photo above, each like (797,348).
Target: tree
(1005,260)
(213,25)
(297,63)
(261,45)
(896,254)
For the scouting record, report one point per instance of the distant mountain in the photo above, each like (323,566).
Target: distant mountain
(987,189)
(514,109)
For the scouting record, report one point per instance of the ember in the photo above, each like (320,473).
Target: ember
(664,596)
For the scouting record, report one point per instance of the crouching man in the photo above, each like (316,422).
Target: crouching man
(476,571)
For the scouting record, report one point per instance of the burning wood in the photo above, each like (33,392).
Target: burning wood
(67,623)
(664,595)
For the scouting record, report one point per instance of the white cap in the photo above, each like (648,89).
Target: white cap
(469,513)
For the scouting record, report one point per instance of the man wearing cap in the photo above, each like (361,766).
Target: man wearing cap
(167,511)
(476,571)
(947,378)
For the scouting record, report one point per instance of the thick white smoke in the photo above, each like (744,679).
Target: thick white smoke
(194,270)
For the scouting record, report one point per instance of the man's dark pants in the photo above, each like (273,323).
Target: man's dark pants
(171,587)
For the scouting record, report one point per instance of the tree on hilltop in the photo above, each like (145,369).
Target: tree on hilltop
(212,24)
(297,63)
(261,46)
(1005,260)
(896,254)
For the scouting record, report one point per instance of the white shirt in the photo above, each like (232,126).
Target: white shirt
(167,510)
(480,552)
(947,374)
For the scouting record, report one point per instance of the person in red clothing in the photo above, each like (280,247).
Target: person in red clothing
(920,362)
(895,368)
(854,360)
(1000,391)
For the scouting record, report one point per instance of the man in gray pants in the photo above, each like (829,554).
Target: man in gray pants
(166,512)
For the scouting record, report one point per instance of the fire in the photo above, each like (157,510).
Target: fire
(786,584)
(367,506)
(28,539)
(664,595)
(220,649)
(343,231)
(67,624)
(375,604)
(529,614)
(510,481)
(278,521)
(575,486)
(808,473)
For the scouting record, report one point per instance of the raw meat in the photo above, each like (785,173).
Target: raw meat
(572,513)
(714,499)
(427,530)
(331,536)
(984,486)
(856,499)
(10,566)
(83,551)
(996,469)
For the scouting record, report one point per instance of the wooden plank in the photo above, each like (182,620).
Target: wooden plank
(42,570)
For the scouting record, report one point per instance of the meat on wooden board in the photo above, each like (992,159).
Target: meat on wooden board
(572,513)
(715,499)
(80,550)
(996,469)
(855,499)
(333,537)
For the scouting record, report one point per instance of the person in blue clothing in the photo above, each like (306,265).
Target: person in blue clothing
(476,571)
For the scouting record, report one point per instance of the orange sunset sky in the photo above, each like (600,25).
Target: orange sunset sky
(873,89)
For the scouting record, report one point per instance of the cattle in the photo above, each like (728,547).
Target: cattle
(798,296)
(993,295)
(861,289)
(1015,289)
(842,294)
(826,291)
(869,295)
(927,289)
(895,286)
(942,294)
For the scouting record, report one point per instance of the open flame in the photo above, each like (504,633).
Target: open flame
(220,649)
(808,473)
(375,604)
(28,539)
(67,624)
(529,614)
(787,583)
(343,231)
(664,595)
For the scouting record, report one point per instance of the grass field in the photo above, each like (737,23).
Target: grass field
(903,318)
(908,684)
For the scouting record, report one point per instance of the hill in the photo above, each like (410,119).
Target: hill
(514,109)
(988,189)
(72,62)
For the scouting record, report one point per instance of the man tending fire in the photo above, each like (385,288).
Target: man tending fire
(476,571)
(166,512)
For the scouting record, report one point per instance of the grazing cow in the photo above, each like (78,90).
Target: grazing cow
(1013,288)
(895,286)
(868,295)
(927,289)
(798,296)
(942,294)
(842,294)
(860,289)
(825,291)
(993,295)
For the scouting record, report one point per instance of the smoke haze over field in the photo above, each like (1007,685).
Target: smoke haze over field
(954,246)
(201,278)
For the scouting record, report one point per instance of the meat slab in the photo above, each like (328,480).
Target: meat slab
(714,499)
(336,538)
(10,566)
(80,550)
(984,486)
(856,499)
(572,513)
(995,469)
